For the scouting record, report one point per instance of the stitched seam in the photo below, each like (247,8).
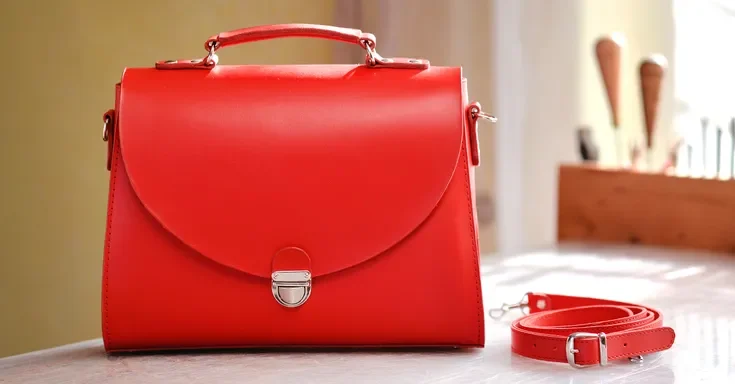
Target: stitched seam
(551,359)
(550,337)
(473,240)
(534,357)
(667,346)
(616,323)
(608,328)
(564,338)
(581,361)
(541,316)
(115,161)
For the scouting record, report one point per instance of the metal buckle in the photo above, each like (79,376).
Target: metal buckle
(373,58)
(571,350)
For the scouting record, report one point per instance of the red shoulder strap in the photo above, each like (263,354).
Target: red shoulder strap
(587,331)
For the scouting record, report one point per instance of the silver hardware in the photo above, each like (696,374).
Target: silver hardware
(498,313)
(603,348)
(291,288)
(373,57)
(105,132)
(212,58)
(636,359)
(601,337)
(477,113)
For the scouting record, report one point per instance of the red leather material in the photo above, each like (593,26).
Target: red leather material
(262,169)
(365,170)
(265,32)
(631,329)
(290,258)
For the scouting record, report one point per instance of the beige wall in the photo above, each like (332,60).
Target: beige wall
(61,62)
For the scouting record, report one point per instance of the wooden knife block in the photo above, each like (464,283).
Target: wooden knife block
(620,206)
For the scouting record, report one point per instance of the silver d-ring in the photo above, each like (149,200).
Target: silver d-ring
(105,131)
(212,58)
(365,43)
(370,53)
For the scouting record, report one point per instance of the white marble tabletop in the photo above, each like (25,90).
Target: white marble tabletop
(695,291)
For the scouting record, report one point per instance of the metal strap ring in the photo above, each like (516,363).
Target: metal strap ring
(498,313)
(212,58)
(105,132)
(476,113)
(370,52)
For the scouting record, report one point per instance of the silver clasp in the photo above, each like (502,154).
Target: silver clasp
(498,313)
(291,288)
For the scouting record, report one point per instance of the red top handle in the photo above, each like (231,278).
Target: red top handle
(267,32)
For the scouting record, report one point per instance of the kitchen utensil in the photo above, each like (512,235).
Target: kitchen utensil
(608,51)
(651,73)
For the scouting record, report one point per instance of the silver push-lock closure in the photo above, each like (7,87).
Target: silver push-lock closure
(291,288)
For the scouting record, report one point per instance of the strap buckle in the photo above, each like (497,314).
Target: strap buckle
(601,337)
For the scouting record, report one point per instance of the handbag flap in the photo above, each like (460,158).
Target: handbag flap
(240,162)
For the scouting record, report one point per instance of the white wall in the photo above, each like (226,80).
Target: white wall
(548,84)
(705,80)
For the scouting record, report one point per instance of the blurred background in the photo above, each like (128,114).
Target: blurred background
(530,62)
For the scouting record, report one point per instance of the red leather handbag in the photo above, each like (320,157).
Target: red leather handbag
(291,205)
